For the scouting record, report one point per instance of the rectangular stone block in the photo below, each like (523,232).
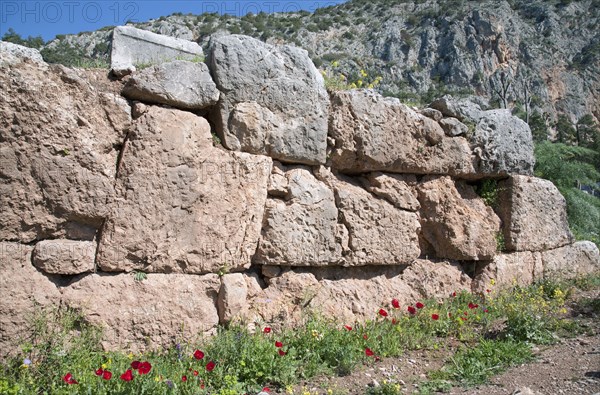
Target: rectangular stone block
(132,47)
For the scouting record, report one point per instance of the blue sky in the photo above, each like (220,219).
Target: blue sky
(49,18)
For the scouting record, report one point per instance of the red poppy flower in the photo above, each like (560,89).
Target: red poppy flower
(383,313)
(127,376)
(99,372)
(394,322)
(196,373)
(210,366)
(411,310)
(266,389)
(365,337)
(144,368)
(435,317)
(486,311)
(198,354)
(377,359)
(184,378)
(419,305)
(395,303)
(348,327)
(454,294)
(465,313)
(281,352)
(135,364)
(68,378)
(368,352)
(463,318)
(449,315)
(473,306)
(488,290)
(106,375)
(278,344)
(267,330)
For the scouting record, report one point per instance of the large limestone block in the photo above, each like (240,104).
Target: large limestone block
(61,134)
(24,291)
(502,145)
(572,260)
(133,47)
(232,297)
(183,205)
(301,229)
(533,213)
(180,84)
(352,294)
(397,189)
(65,256)
(378,232)
(507,270)
(273,100)
(373,133)
(455,221)
(156,312)
(11,54)
(462,109)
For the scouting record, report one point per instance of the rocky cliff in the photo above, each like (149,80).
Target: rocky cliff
(241,189)
(548,51)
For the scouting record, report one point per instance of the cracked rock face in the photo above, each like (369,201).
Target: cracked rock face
(273,99)
(533,213)
(181,204)
(373,133)
(160,310)
(24,291)
(61,129)
(455,221)
(328,220)
(180,84)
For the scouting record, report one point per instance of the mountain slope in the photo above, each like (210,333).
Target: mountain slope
(546,53)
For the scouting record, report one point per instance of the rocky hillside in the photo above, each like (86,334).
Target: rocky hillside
(531,56)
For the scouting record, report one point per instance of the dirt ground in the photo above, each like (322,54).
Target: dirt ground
(570,366)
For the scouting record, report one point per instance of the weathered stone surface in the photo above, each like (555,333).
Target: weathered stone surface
(278,182)
(65,256)
(181,84)
(353,294)
(572,260)
(302,229)
(11,54)
(183,205)
(397,189)
(533,214)
(432,113)
(158,311)
(506,270)
(24,291)
(273,100)
(455,221)
(378,233)
(462,109)
(132,47)
(61,133)
(453,127)
(502,145)
(232,297)
(373,133)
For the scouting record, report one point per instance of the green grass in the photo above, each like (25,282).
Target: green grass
(62,342)
(474,365)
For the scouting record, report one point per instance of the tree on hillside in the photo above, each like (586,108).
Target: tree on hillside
(15,38)
(565,131)
(539,126)
(501,83)
(588,132)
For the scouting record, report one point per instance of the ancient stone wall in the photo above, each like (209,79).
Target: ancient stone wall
(335,203)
